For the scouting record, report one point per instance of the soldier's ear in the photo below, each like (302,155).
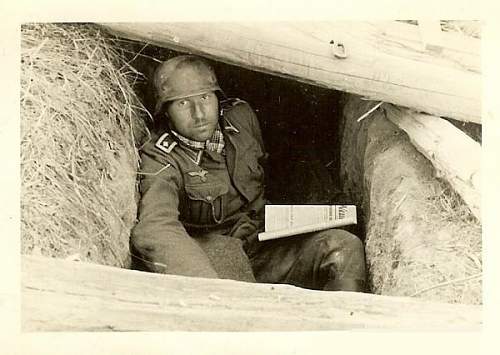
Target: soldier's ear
(165,112)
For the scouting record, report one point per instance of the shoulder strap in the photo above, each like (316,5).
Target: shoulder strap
(228,104)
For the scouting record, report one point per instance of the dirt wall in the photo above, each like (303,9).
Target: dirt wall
(420,239)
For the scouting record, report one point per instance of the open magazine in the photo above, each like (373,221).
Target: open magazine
(288,220)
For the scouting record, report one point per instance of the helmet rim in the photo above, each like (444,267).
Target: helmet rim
(181,77)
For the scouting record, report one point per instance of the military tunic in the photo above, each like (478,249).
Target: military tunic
(188,193)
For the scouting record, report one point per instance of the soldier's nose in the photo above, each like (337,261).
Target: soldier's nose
(197,112)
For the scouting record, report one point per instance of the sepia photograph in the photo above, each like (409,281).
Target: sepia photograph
(276,176)
(242,178)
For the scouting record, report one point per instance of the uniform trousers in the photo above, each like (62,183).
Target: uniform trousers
(331,259)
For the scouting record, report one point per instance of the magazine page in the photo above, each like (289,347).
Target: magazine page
(287,220)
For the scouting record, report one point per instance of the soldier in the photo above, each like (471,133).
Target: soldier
(203,179)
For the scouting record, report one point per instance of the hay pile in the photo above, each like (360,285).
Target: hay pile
(80,124)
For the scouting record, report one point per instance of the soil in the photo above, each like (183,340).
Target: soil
(412,243)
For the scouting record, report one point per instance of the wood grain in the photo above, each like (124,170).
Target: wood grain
(59,295)
(386,61)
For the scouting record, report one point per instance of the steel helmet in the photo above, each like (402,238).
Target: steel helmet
(181,77)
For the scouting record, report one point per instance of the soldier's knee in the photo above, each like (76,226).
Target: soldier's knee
(352,242)
(341,240)
(345,252)
(140,246)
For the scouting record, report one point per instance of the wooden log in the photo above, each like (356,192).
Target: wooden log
(381,65)
(73,296)
(455,156)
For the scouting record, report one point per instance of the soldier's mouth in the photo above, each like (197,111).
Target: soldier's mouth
(202,126)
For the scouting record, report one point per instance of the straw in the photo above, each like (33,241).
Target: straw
(80,124)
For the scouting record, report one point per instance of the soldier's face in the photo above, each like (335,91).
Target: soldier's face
(195,117)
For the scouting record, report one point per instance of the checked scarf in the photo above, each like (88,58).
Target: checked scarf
(214,144)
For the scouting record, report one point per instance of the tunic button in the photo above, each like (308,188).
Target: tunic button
(209,198)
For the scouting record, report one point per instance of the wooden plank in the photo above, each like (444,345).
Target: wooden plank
(430,32)
(462,51)
(380,66)
(455,156)
(73,296)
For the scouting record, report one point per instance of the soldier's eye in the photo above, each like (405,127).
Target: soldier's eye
(182,103)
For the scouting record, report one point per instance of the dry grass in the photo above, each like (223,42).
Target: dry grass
(80,122)
(440,262)
(460,277)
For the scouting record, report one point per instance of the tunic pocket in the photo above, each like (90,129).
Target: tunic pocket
(206,203)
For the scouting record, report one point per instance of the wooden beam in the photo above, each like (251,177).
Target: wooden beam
(60,295)
(455,156)
(430,32)
(380,65)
